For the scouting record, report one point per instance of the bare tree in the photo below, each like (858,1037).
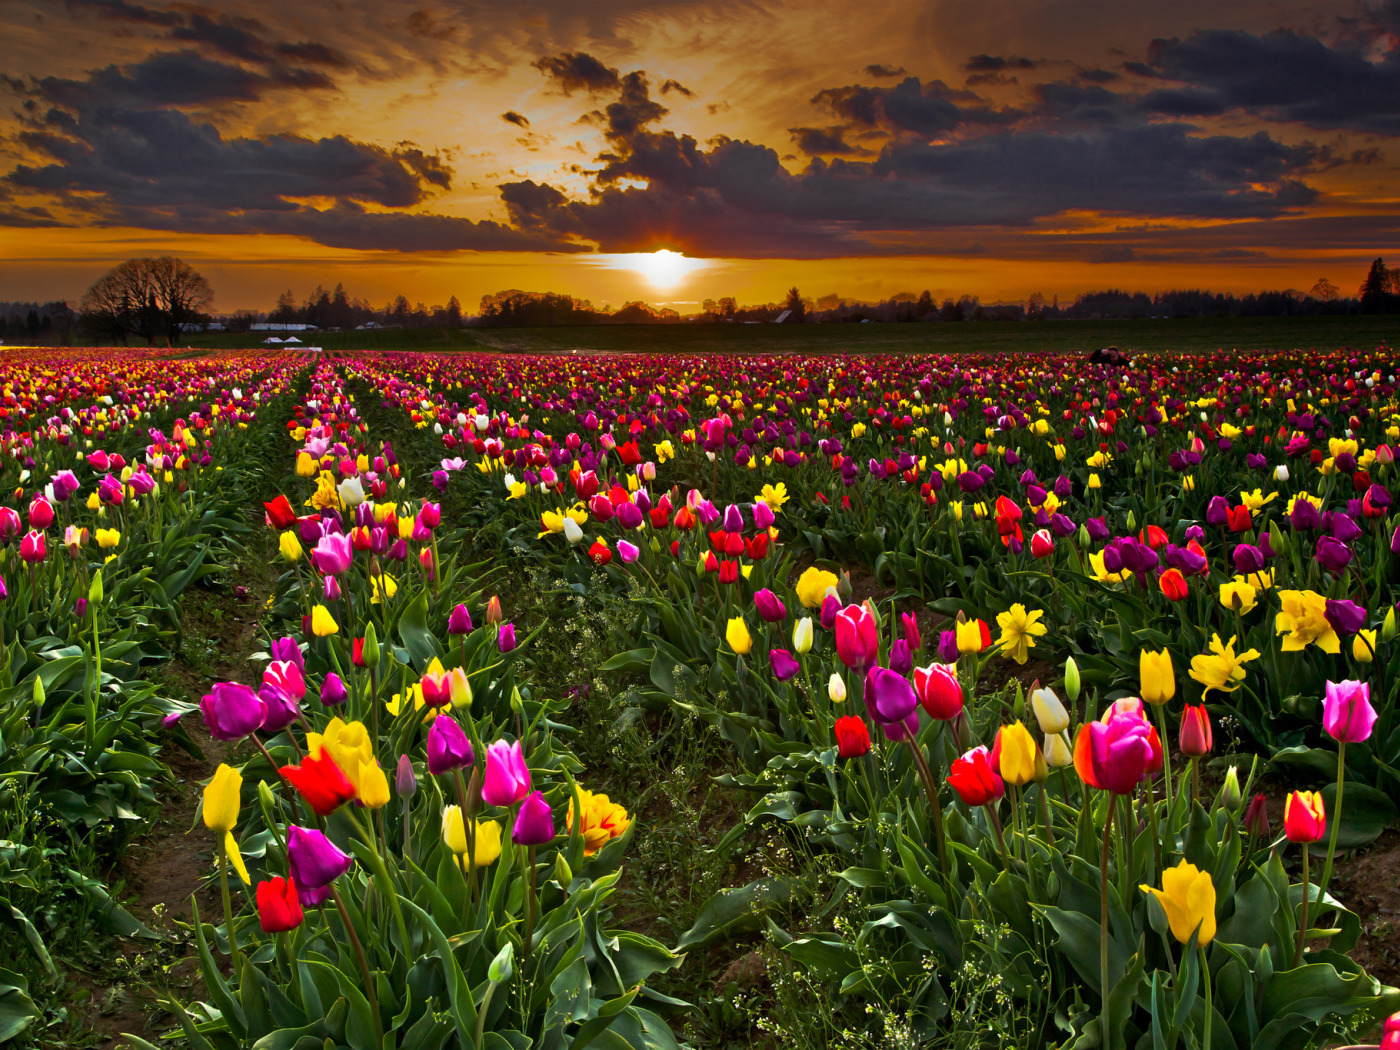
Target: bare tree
(150,298)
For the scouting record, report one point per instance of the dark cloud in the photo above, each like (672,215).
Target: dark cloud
(236,37)
(668,86)
(998,63)
(576,71)
(1099,76)
(313,55)
(121,11)
(911,107)
(1284,76)
(171,78)
(826,141)
(512,117)
(875,69)
(735,198)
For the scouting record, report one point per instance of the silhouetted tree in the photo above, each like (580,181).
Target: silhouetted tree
(152,298)
(794,303)
(1376,296)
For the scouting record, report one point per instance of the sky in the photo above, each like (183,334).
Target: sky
(998,147)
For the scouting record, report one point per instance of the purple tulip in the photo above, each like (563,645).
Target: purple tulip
(279,708)
(1304,516)
(904,729)
(629,516)
(1120,752)
(534,824)
(1332,554)
(1343,527)
(784,664)
(405,782)
(505,638)
(901,660)
(1217,512)
(948,647)
(315,860)
(831,607)
(763,515)
(459,621)
(1248,559)
(290,650)
(333,691)
(970,481)
(231,711)
(448,746)
(769,606)
(1097,529)
(332,554)
(888,695)
(1346,617)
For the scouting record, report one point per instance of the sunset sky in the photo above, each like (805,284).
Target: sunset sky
(997,148)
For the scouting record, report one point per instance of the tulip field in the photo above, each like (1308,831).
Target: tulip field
(664,700)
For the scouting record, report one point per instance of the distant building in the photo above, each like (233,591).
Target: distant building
(782,317)
(280,326)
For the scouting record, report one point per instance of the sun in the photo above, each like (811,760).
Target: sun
(663,269)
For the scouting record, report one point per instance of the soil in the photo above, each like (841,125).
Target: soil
(1369,883)
(159,872)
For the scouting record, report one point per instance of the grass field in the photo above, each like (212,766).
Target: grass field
(1195,334)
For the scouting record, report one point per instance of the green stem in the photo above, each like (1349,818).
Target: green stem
(1303,920)
(228,913)
(936,810)
(1336,820)
(358,949)
(1210,1004)
(1103,896)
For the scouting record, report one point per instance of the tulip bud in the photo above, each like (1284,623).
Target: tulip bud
(1256,817)
(95,588)
(1072,680)
(39,695)
(802,635)
(370,653)
(1388,627)
(1130,522)
(836,689)
(493,611)
(1230,796)
(563,874)
(405,783)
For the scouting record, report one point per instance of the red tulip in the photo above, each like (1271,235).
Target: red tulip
(852,737)
(321,782)
(1173,584)
(279,908)
(1304,817)
(974,779)
(939,691)
(280,513)
(1195,737)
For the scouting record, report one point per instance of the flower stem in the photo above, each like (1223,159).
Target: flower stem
(359,951)
(1303,919)
(1103,894)
(228,917)
(1210,1004)
(1336,820)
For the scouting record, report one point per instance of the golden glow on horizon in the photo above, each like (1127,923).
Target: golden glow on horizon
(663,269)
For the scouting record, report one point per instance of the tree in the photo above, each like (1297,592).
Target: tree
(286,311)
(1324,291)
(794,303)
(1375,290)
(454,312)
(728,307)
(151,298)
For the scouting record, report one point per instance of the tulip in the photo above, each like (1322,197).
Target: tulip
(315,860)
(459,621)
(333,691)
(1042,544)
(972,636)
(323,623)
(1015,754)
(231,711)
(889,698)
(975,779)
(857,638)
(836,689)
(939,690)
(769,606)
(1256,817)
(852,737)
(507,777)
(1057,751)
(493,611)
(1188,897)
(1304,817)
(448,746)
(802,635)
(1173,585)
(736,633)
(220,810)
(1050,714)
(1114,755)
(1195,737)
(33,548)
(279,909)
(505,638)
(784,665)
(534,824)
(321,782)
(1347,714)
(405,782)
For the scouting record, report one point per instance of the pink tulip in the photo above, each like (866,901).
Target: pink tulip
(857,641)
(33,548)
(507,778)
(1347,714)
(939,690)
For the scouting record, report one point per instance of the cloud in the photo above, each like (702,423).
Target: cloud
(827,141)
(576,71)
(656,187)
(998,63)
(1281,76)
(876,69)
(121,11)
(668,86)
(512,117)
(912,107)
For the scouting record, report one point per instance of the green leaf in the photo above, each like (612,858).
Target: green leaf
(1366,812)
(731,910)
(17,1010)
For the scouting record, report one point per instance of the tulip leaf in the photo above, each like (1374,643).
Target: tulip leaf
(1366,812)
(17,1009)
(421,643)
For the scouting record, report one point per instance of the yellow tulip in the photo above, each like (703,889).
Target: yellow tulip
(372,786)
(1363,646)
(108,538)
(323,623)
(737,635)
(603,820)
(221,804)
(306,466)
(812,586)
(1157,677)
(1018,754)
(1239,595)
(1188,898)
(969,635)
(290,546)
(486,836)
